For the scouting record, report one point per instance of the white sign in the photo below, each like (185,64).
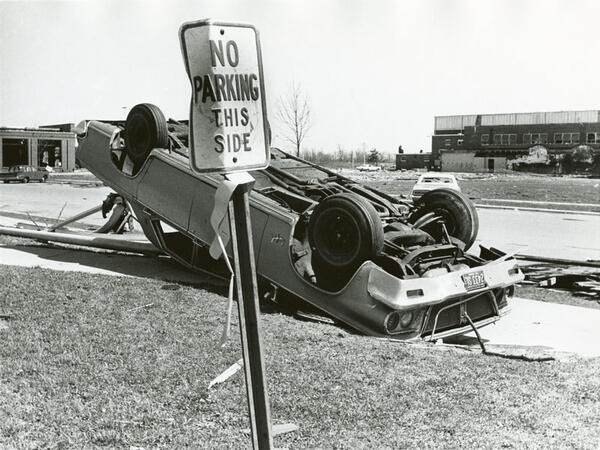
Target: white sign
(228,120)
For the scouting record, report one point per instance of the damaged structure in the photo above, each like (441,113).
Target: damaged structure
(554,142)
(52,146)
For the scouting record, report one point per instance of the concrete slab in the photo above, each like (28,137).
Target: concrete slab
(531,323)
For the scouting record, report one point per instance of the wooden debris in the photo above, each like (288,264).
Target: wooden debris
(313,317)
(569,262)
(579,280)
(278,429)
(228,373)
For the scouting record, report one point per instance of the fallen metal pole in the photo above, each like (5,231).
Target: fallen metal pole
(87,241)
(568,262)
(79,216)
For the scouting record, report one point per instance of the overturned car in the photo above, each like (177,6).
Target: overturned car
(383,265)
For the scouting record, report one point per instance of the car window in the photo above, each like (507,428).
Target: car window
(436,180)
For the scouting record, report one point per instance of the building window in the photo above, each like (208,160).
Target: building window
(15,152)
(505,139)
(485,139)
(49,152)
(566,138)
(539,138)
(403,159)
(448,142)
(527,138)
(426,159)
(592,138)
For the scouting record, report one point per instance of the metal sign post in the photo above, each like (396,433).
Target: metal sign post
(229,133)
(245,272)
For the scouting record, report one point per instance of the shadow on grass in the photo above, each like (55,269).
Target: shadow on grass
(161,268)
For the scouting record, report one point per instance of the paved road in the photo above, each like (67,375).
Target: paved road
(572,236)
(47,199)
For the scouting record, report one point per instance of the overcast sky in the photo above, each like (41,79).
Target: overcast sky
(376,72)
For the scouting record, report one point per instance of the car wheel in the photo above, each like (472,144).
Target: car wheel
(450,209)
(344,231)
(145,129)
(25,180)
(43,180)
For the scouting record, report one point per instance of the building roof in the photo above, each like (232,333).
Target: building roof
(459,122)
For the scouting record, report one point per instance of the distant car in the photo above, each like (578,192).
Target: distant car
(434,180)
(24,174)
(368,168)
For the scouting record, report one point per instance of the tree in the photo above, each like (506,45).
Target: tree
(374,156)
(295,116)
(341,153)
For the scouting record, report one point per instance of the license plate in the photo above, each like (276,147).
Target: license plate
(473,281)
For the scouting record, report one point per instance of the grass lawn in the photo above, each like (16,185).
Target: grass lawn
(89,360)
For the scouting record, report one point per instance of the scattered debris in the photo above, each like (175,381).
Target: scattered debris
(313,317)
(278,429)
(4,318)
(34,222)
(580,281)
(140,307)
(232,370)
(170,287)
(560,261)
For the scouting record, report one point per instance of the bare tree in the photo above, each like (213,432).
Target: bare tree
(295,116)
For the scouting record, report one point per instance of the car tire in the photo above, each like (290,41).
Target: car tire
(25,180)
(453,208)
(344,231)
(145,129)
(43,180)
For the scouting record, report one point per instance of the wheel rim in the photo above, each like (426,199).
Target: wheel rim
(338,238)
(139,136)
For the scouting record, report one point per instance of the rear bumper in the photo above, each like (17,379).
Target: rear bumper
(405,295)
(431,336)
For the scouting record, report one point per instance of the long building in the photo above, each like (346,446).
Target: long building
(489,142)
(45,146)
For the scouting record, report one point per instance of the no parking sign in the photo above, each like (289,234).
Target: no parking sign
(228,120)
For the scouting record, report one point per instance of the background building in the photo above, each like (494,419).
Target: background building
(50,145)
(496,142)
(414,161)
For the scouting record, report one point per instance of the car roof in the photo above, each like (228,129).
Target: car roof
(437,175)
